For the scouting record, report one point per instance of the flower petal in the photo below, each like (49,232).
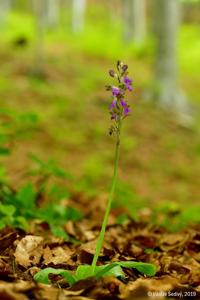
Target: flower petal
(113,104)
(116,91)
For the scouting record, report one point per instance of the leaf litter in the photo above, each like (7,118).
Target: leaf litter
(175,255)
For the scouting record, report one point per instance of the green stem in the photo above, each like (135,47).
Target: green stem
(110,198)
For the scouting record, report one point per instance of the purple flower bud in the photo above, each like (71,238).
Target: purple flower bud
(126,108)
(112,73)
(127,80)
(113,116)
(124,68)
(123,103)
(113,104)
(128,83)
(126,111)
(116,91)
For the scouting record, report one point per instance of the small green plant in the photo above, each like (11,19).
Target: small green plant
(47,168)
(44,170)
(86,271)
(173,214)
(17,208)
(119,110)
(15,126)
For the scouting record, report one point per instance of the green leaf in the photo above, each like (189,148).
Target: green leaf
(58,214)
(145,268)
(43,275)
(83,272)
(3,138)
(58,193)
(3,177)
(37,160)
(86,271)
(59,232)
(73,214)
(122,219)
(26,196)
(28,118)
(7,210)
(20,222)
(49,168)
(191,215)
(4,151)
(2,223)
(109,270)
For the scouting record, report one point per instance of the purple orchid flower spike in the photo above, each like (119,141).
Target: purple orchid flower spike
(119,108)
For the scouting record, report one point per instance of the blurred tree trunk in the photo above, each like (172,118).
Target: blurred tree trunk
(166,25)
(78,15)
(52,14)
(39,9)
(134,20)
(5,6)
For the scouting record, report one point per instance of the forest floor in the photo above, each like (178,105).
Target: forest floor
(175,255)
(64,116)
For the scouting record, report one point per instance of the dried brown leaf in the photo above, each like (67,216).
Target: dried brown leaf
(14,291)
(57,255)
(29,250)
(172,240)
(7,240)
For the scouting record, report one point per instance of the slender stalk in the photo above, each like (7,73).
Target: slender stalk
(110,198)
